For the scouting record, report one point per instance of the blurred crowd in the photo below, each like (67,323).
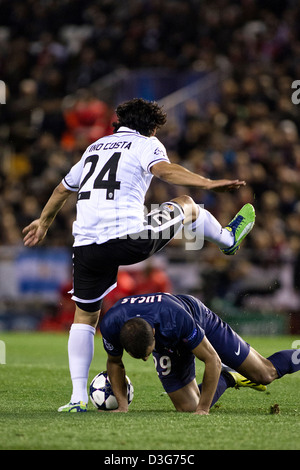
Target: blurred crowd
(52,51)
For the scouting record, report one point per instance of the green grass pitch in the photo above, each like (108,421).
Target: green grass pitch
(35,381)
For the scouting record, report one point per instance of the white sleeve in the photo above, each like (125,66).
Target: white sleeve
(153,152)
(72,180)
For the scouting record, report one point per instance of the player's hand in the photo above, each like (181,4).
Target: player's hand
(120,410)
(34,233)
(226,185)
(201,412)
(117,410)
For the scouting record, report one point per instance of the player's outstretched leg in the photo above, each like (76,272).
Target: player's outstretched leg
(202,224)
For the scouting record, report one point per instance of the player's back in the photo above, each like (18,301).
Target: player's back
(171,319)
(112,179)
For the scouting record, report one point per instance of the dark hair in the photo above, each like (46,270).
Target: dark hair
(141,115)
(136,336)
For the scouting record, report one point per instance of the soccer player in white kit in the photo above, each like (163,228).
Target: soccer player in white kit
(111,180)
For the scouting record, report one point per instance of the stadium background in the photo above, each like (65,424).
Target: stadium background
(224,72)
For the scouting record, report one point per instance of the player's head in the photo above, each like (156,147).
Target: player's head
(137,338)
(141,115)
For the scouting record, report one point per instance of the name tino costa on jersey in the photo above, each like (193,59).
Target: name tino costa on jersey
(110,146)
(111,179)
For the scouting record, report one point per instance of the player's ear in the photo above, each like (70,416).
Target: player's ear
(153,329)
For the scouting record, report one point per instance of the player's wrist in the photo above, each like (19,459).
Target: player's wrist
(45,221)
(123,409)
(205,407)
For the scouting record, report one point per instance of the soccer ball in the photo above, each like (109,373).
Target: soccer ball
(101,394)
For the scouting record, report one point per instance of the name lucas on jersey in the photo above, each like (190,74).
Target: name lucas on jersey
(110,146)
(141,299)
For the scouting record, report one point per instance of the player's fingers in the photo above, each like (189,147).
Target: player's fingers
(29,235)
(30,239)
(236,183)
(28,242)
(32,226)
(26,229)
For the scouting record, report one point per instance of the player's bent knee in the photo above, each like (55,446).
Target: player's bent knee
(187,398)
(188,404)
(184,200)
(188,206)
(188,407)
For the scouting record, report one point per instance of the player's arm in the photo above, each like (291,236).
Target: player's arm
(116,374)
(178,175)
(206,353)
(36,231)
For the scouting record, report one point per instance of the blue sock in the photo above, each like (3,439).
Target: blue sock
(286,361)
(223,384)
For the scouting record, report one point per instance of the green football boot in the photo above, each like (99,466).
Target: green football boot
(78,407)
(240,226)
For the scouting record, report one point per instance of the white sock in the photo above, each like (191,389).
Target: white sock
(207,226)
(81,352)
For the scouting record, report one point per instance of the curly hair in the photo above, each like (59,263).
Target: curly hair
(136,336)
(141,115)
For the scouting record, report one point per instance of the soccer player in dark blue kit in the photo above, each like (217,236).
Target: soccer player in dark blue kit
(175,329)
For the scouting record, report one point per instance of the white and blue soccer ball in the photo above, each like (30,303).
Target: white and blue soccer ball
(101,394)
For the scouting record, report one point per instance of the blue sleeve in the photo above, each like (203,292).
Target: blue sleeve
(112,349)
(110,338)
(191,333)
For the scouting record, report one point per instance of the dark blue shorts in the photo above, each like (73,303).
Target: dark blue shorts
(231,348)
(177,369)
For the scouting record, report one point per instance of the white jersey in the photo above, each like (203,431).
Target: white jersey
(112,178)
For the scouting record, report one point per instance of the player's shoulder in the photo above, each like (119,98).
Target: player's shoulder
(108,322)
(153,140)
(171,306)
(156,147)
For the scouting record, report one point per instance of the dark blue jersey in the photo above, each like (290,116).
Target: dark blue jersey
(178,320)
